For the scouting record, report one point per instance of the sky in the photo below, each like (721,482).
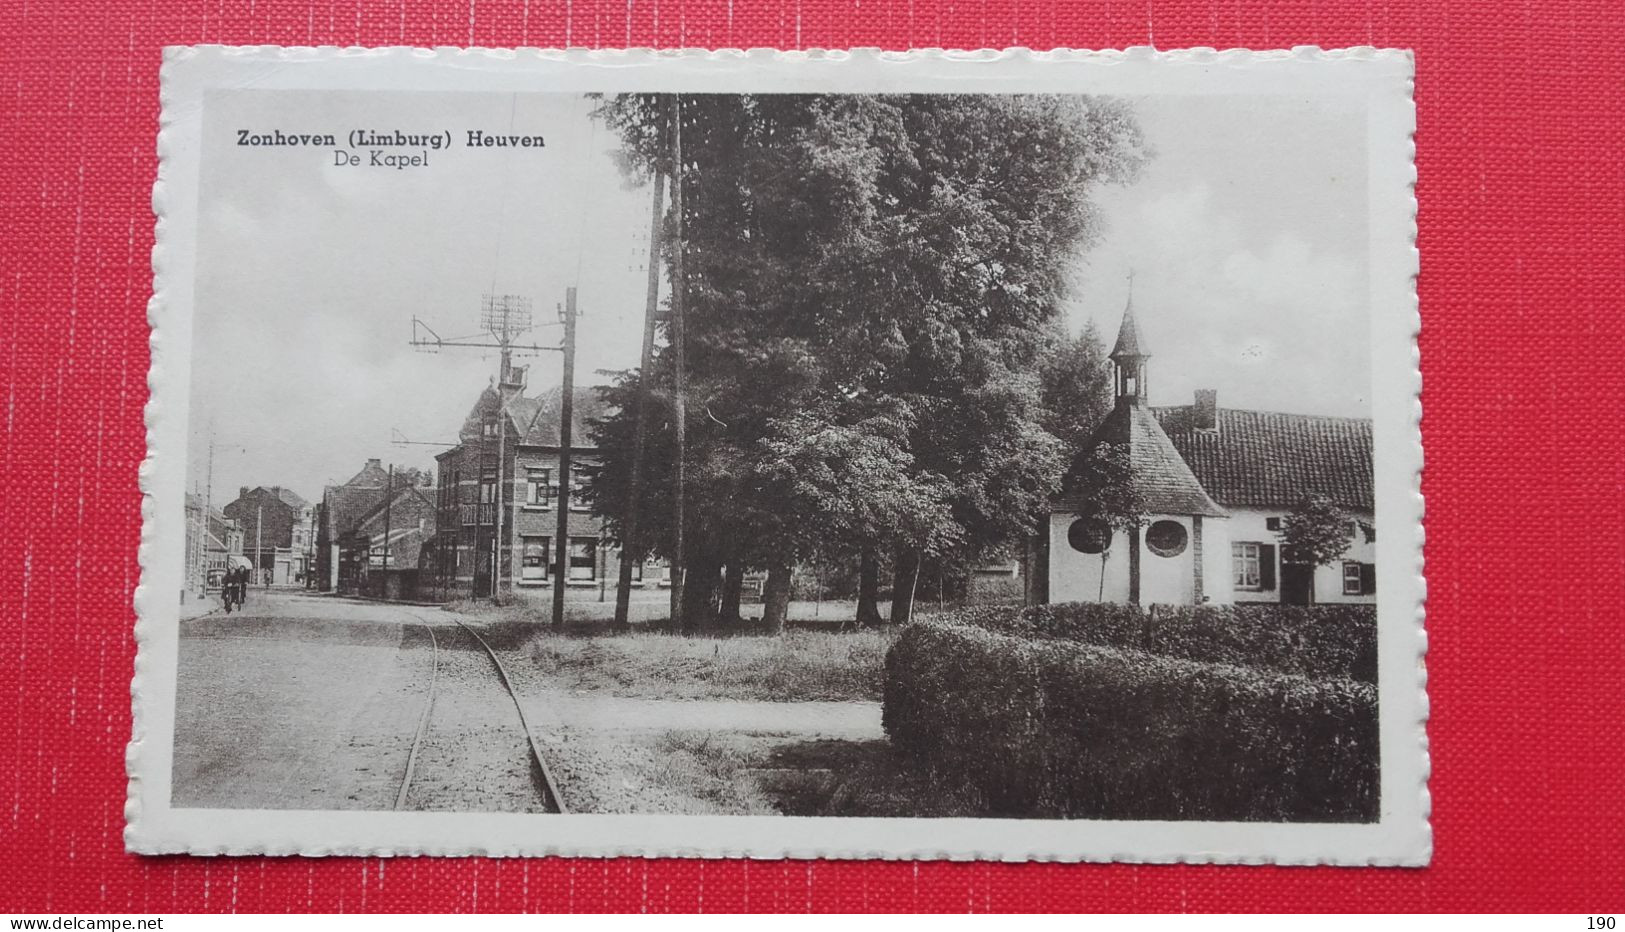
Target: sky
(1246,235)
(1248,242)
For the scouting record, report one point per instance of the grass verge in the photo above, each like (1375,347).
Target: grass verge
(793,666)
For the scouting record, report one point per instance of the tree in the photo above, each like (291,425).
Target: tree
(1075,386)
(1100,484)
(840,483)
(890,263)
(1315,532)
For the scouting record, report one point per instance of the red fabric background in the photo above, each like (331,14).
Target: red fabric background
(1520,156)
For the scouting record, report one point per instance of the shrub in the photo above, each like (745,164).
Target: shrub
(1042,725)
(1312,640)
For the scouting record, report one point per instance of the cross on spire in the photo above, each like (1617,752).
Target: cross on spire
(1128,355)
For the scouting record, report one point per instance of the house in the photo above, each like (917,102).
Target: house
(1216,485)
(212,545)
(277,531)
(502,482)
(380,553)
(341,508)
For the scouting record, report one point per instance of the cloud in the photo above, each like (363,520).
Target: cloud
(1271,321)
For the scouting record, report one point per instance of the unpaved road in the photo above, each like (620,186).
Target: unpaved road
(310,702)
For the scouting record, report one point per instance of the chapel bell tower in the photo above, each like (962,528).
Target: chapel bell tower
(1128,358)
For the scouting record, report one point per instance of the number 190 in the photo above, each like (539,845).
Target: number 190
(1600,923)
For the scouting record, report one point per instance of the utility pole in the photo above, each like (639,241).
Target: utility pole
(504,317)
(389,493)
(630,546)
(566,418)
(497,508)
(679,403)
(259,514)
(208,505)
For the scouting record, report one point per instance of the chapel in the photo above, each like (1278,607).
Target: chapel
(1215,485)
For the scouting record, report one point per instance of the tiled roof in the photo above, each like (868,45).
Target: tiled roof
(1164,483)
(1265,458)
(408,501)
(290,497)
(346,504)
(373,475)
(537,420)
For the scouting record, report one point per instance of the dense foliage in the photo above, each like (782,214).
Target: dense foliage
(1044,726)
(1075,386)
(871,286)
(1312,640)
(1316,531)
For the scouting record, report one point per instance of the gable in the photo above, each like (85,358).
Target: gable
(542,427)
(372,475)
(291,498)
(408,506)
(347,504)
(535,418)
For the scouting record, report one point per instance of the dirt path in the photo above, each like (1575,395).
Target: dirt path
(621,755)
(555,710)
(303,702)
(306,702)
(272,716)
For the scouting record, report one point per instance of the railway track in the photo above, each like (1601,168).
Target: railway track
(541,775)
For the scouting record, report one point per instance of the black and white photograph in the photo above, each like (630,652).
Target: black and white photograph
(1006,458)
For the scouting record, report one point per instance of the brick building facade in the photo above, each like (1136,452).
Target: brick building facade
(341,508)
(278,532)
(502,481)
(388,540)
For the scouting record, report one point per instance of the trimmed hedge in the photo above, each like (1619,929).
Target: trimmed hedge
(1051,726)
(1311,640)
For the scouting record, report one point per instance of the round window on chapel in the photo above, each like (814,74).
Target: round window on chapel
(1166,538)
(1088,535)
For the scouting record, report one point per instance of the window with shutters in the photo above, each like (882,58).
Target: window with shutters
(1353,579)
(1244,560)
(1253,566)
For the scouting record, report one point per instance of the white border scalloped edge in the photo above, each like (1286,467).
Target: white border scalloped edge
(1403,837)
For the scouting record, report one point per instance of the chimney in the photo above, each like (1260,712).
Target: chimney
(375,464)
(1205,413)
(242,491)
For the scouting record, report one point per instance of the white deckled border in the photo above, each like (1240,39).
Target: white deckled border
(1402,836)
